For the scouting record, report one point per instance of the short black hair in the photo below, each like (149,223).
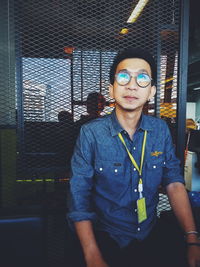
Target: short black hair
(132,52)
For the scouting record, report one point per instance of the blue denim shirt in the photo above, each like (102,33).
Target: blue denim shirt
(104,182)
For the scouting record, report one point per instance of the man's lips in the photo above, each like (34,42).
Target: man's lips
(130,97)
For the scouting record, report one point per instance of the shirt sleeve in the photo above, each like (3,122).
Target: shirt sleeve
(172,170)
(81,181)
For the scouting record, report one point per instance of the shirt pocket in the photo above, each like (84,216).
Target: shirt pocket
(109,174)
(154,173)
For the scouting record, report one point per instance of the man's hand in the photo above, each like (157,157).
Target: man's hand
(92,253)
(193,255)
(96,260)
(179,201)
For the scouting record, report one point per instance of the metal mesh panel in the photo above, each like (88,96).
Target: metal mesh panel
(58,72)
(65,49)
(7,104)
(55,57)
(7,70)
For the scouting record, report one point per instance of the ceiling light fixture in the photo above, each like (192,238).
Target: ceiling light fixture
(197,88)
(124,31)
(137,11)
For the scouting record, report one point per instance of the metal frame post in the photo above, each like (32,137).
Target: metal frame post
(182,80)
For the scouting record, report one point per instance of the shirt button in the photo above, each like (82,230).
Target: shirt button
(164,162)
(154,166)
(116,170)
(138,229)
(134,169)
(135,190)
(134,148)
(101,169)
(135,210)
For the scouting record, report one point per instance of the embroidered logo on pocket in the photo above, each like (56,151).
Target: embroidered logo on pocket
(156,153)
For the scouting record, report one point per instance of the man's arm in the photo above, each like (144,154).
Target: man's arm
(181,206)
(81,212)
(88,242)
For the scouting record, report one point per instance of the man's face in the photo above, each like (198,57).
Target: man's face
(131,97)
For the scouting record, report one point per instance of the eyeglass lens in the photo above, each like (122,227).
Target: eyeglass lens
(142,79)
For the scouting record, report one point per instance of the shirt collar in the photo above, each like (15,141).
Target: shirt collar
(145,123)
(116,128)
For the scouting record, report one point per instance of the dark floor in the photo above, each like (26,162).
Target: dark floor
(46,238)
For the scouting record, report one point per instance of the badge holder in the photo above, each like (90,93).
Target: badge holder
(141,204)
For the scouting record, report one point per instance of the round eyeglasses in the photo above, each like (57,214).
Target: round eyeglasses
(142,79)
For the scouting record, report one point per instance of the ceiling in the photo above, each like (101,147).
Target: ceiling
(45,27)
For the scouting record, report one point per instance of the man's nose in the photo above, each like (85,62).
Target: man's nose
(132,85)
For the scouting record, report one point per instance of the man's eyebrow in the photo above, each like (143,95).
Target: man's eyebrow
(142,71)
(123,70)
(139,71)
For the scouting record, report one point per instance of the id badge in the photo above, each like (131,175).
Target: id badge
(141,209)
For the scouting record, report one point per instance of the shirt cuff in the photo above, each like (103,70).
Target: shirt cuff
(77,216)
(168,181)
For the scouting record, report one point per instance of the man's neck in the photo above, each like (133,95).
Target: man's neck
(129,120)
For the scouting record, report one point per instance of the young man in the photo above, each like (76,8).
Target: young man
(118,164)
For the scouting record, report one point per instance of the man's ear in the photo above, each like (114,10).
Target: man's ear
(153,92)
(111,91)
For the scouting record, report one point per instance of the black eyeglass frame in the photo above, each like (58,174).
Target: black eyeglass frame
(151,81)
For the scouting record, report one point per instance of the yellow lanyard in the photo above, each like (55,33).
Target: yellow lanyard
(139,169)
